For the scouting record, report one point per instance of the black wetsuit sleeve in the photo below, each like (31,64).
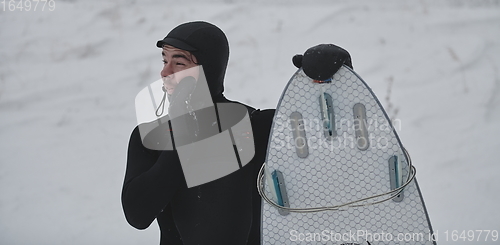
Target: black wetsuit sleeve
(151,180)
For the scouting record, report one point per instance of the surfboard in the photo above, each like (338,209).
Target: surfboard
(336,171)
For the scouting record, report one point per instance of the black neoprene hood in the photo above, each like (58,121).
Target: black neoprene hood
(208,44)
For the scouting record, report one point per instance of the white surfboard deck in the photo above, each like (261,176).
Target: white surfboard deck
(339,169)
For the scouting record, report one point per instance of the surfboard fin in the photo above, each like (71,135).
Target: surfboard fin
(299,134)
(396,176)
(327,115)
(280,189)
(360,128)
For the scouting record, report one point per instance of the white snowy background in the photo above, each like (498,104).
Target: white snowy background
(69,77)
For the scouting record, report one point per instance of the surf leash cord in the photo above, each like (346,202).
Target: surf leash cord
(341,207)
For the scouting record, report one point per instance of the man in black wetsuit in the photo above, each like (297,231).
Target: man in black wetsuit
(226,210)
(223,211)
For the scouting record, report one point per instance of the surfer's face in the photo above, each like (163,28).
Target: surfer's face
(176,66)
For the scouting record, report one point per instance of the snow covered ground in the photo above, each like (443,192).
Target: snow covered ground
(69,77)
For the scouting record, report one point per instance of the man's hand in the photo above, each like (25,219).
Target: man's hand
(180,98)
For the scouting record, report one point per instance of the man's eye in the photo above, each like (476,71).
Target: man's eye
(164,61)
(180,64)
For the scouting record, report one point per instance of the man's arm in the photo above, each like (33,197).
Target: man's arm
(151,180)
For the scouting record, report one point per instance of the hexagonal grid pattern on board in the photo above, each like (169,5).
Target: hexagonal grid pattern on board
(337,171)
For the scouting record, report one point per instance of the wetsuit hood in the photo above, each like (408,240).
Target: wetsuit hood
(208,44)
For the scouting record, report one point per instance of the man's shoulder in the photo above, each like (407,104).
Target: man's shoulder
(254,112)
(265,114)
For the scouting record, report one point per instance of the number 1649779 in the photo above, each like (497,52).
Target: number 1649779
(28,5)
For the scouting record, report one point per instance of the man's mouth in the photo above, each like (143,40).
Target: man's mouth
(169,84)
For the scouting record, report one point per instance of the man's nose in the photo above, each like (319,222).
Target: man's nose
(166,71)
